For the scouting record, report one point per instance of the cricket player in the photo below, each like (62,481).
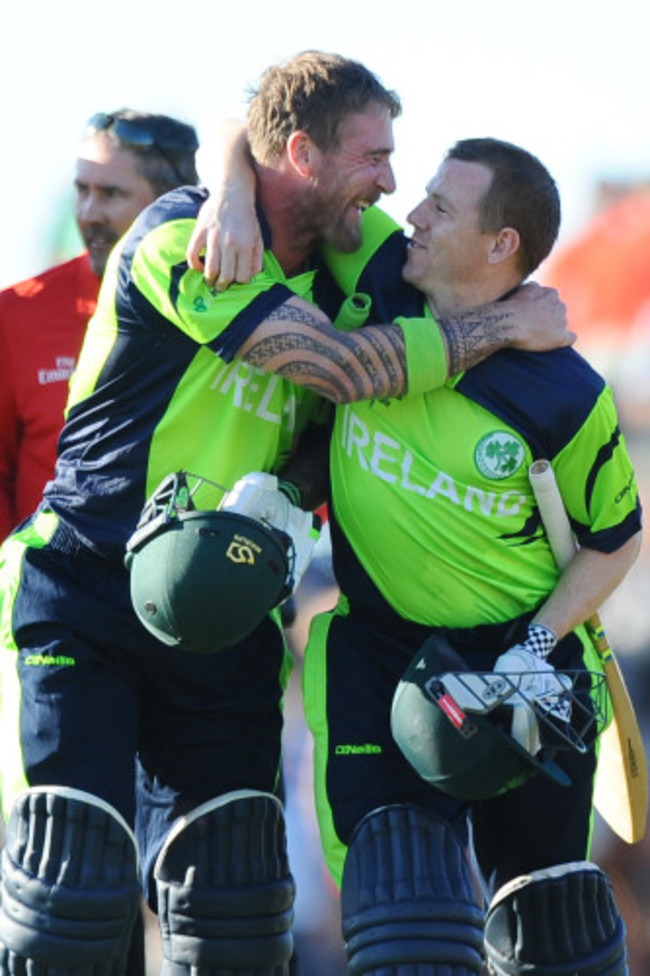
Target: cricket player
(128,762)
(444,569)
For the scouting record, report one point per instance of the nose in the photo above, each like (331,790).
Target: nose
(89,209)
(415,217)
(386,178)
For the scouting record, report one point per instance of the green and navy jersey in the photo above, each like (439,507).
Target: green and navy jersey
(431,505)
(375,270)
(157,388)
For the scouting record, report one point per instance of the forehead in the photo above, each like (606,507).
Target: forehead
(371,129)
(101,162)
(460,181)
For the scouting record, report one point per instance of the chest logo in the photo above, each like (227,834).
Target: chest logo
(499,455)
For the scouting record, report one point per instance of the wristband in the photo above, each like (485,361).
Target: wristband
(292,492)
(541,640)
(426,357)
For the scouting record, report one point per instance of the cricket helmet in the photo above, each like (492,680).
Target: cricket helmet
(464,751)
(203,580)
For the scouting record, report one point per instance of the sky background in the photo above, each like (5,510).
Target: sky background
(567,79)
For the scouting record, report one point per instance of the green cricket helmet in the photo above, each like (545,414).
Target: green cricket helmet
(203,580)
(464,751)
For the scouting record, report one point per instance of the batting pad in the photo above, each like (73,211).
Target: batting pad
(407,898)
(556,922)
(70,888)
(225,892)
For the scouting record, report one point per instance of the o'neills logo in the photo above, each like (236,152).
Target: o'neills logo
(242,550)
(499,455)
(364,749)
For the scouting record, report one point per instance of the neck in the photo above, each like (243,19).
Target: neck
(281,197)
(445,302)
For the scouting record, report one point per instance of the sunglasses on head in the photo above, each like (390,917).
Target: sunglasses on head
(160,135)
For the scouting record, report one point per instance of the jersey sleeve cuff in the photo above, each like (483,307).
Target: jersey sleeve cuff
(426,355)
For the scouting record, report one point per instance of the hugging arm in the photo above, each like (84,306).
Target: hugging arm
(299,342)
(226,244)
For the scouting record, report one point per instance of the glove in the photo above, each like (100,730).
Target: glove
(259,496)
(537,683)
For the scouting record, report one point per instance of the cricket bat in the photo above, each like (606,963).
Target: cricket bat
(621,789)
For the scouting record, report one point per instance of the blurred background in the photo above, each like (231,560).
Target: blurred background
(568,81)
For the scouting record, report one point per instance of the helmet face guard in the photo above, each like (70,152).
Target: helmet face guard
(453,725)
(203,580)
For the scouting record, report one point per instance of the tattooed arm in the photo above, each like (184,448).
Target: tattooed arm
(300,343)
(533,318)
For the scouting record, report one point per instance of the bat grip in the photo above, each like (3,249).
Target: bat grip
(552,511)
(558,530)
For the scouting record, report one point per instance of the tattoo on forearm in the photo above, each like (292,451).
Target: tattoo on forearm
(298,351)
(343,366)
(473,336)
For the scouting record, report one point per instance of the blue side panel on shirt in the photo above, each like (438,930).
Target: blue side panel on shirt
(327,294)
(382,280)
(132,307)
(524,390)
(233,337)
(183,203)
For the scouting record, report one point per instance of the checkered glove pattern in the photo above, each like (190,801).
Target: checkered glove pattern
(540,641)
(537,681)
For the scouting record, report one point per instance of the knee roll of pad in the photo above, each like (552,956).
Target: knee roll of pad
(225,892)
(556,922)
(407,898)
(70,885)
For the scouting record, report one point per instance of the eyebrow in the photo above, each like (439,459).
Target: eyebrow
(103,187)
(436,195)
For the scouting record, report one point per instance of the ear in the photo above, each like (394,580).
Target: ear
(504,246)
(302,152)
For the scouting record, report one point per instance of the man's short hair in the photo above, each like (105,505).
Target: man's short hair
(522,194)
(312,92)
(164,147)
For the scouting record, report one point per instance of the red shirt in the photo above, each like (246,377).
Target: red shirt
(42,324)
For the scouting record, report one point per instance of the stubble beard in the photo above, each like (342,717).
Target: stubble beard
(343,238)
(332,218)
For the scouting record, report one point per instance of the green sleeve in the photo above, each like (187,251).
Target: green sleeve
(597,480)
